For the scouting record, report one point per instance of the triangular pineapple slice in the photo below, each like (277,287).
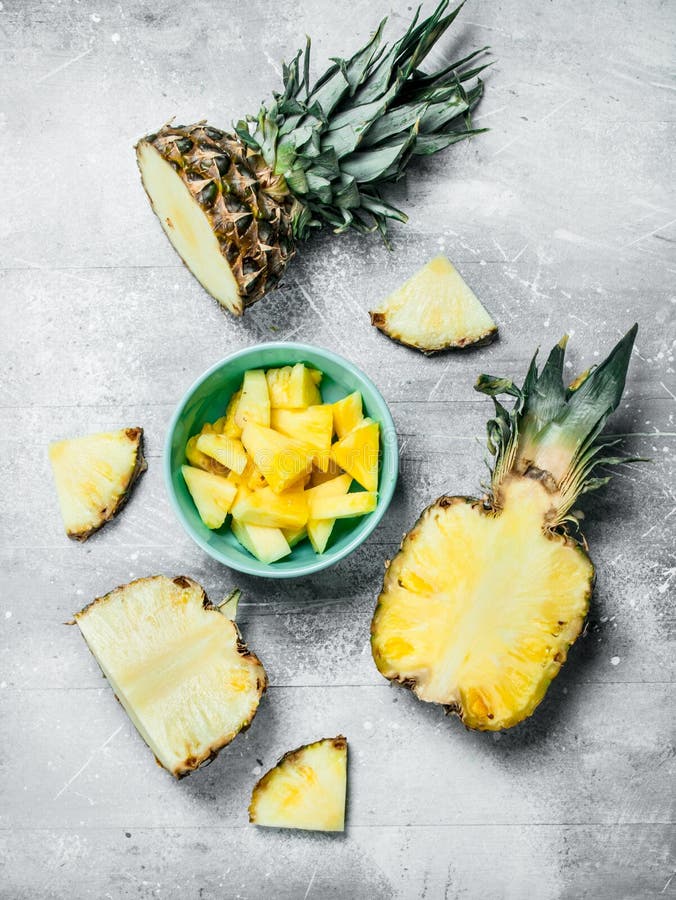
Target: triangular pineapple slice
(319,530)
(347,413)
(357,453)
(94,476)
(342,507)
(254,402)
(266,544)
(178,667)
(200,460)
(228,451)
(265,507)
(280,459)
(230,426)
(294,535)
(306,789)
(212,494)
(312,426)
(293,387)
(435,310)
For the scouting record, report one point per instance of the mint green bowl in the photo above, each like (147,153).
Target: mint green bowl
(207,399)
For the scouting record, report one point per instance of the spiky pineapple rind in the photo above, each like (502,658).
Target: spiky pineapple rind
(379,321)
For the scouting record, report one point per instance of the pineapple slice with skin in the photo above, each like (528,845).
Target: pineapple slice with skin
(265,507)
(266,544)
(212,494)
(347,414)
(294,387)
(228,451)
(357,453)
(177,665)
(312,426)
(230,426)
(306,789)
(254,402)
(94,476)
(342,507)
(483,601)
(280,459)
(435,310)
(319,530)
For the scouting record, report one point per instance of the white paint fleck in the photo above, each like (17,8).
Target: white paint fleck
(8,615)
(368,726)
(614,660)
(95,17)
(115,38)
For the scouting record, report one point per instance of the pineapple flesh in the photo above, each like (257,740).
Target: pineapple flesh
(94,476)
(177,665)
(485,597)
(435,310)
(306,789)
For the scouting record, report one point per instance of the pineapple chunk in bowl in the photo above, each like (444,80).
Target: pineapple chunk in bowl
(206,402)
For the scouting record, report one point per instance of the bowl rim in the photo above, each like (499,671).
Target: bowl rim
(321,562)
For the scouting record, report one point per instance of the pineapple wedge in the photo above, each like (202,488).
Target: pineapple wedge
(177,665)
(357,453)
(94,476)
(342,507)
(347,414)
(254,402)
(319,530)
(265,507)
(312,426)
(281,460)
(435,310)
(266,544)
(294,535)
(306,789)
(200,460)
(294,387)
(230,426)
(228,451)
(212,494)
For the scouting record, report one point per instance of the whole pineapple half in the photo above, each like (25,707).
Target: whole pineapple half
(234,204)
(178,666)
(483,600)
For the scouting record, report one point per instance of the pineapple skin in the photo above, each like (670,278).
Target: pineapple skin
(454,707)
(248,207)
(379,321)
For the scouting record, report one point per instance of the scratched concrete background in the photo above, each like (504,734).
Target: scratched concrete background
(562,218)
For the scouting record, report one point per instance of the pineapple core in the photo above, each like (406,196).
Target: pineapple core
(478,609)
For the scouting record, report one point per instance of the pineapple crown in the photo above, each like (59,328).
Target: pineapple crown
(554,432)
(336,141)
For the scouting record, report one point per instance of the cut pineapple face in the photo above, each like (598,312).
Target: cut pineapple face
(94,476)
(342,507)
(230,426)
(228,451)
(347,414)
(312,426)
(281,460)
(254,402)
(319,530)
(306,789)
(265,507)
(293,387)
(188,228)
(212,494)
(200,460)
(177,666)
(358,452)
(266,544)
(435,310)
(478,609)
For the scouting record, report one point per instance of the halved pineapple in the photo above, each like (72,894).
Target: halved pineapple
(94,476)
(357,453)
(266,544)
(294,387)
(212,494)
(342,506)
(265,507)
(347,414)
(228,451)
(306,789)
(312,426)
(177,665)
(319,530)
(435,310)
(280,459)
(254,402)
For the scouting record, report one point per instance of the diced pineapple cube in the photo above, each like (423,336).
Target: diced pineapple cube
(254,404)
(200,460)
(266,544)
(319,530)
(227,451)
(213,495)
(281,460)
(347,414)
(293,387)
(312,426)
(230,426)
(357,453)
(265,507)
(342,507)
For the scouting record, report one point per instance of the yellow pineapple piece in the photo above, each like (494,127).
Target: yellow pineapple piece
(294,535)
(293,387)
(280,459)
(347,414)
(342,507)
(200,460)
(306,789)
(213,495)
(230,426)
(254,403)
(357,453)
(312,426)
(435,310)
(319,530)
(266,544)
(228,451)
(265,507)
(94,476)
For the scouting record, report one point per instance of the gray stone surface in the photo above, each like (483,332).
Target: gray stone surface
(563,220)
